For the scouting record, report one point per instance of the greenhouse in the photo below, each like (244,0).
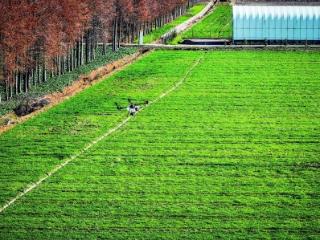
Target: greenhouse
(276,23)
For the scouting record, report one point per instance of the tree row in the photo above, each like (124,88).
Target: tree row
(41,38)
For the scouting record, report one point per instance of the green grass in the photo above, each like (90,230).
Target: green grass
(58,83)
(217,24)
(232,154)
(156,34)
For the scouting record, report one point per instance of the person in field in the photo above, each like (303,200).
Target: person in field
(132,108)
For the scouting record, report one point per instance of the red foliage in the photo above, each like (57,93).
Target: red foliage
(59,26)
(40,30)
(16,25)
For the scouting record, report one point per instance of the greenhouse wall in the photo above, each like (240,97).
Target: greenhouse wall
(276,23)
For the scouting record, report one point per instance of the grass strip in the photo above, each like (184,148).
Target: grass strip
(157,33)
(218,24)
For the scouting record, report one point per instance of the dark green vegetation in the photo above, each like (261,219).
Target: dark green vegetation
(58,83)
(157,33)
(233,153)
(218,24)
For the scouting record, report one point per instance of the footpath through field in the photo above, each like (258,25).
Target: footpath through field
(232,153)
(34,185)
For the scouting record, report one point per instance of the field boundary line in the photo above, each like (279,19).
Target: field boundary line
(60,166)
(94,142)
(177,84)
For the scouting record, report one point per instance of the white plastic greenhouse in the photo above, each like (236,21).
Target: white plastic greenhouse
(292,23)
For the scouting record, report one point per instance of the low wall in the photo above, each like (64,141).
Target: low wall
(222,47)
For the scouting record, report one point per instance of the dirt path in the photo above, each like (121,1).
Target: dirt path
(189,23)
(34,185)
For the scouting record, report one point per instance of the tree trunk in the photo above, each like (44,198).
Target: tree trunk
(20,82)
(119,33)
(38,73)
(16,77)
(81,51)
(115,35)
(87,48)
(33,75)
(44,73)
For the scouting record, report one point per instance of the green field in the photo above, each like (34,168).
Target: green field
(217,24)
(233,153)
(157,33)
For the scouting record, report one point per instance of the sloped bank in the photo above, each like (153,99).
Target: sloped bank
(58,83)
(84,81)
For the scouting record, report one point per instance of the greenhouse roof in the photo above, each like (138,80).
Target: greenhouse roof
(276,11)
